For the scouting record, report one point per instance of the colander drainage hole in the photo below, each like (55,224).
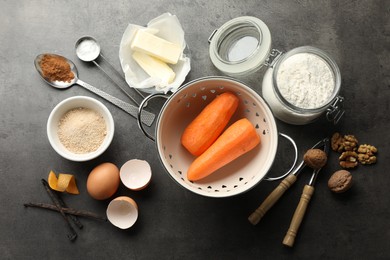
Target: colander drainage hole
(240,179)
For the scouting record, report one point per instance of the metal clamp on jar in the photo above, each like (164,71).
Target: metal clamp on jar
(299,85)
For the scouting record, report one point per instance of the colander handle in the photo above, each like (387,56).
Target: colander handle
(294,163)
(141,108)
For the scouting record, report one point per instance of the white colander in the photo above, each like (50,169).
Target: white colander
(183,106)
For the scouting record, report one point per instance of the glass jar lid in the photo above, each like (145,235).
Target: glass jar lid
(240,46)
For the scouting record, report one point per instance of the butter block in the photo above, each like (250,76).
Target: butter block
(155,46)
(154,67)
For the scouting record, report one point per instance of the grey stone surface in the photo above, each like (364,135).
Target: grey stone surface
(174,223)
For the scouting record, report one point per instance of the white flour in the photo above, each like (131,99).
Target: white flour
(305,80)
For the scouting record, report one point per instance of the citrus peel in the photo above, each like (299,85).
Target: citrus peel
(64,182)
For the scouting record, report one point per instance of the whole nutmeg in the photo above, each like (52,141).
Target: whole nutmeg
(340,181)
(315,158)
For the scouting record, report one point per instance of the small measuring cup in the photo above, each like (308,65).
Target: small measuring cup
(88,50)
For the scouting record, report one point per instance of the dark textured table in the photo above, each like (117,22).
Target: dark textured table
(174,223)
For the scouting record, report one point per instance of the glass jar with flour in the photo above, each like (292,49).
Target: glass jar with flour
(299,85)
(303,84)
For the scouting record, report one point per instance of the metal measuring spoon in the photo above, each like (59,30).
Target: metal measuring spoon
(88,50)
(147,117)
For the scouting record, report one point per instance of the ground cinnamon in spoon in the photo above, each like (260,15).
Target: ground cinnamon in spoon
(56,68)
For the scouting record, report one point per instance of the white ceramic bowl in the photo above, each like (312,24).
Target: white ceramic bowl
(71,103)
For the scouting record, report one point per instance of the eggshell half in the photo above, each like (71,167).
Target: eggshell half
(136,174)
(122,212)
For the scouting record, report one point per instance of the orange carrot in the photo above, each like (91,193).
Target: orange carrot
(209,124)
(236,140)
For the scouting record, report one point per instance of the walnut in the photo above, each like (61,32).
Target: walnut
(340,181)
(336,142)
(366,154)
(348,159)
(315,158)
(351,153)
(350,143)
(341,143)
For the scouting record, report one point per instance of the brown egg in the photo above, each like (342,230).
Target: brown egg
(103,181)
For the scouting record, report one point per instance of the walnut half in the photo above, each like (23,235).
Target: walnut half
(350,143)
(336,142)
(366,154)
(348,159)
(342,143)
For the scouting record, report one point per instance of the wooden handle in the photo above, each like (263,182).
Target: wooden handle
(298,216)
(256,216)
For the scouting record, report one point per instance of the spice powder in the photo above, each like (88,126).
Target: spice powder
(82,130)
(56,68)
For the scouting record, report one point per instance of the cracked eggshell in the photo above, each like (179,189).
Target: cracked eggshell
(122,212)
(136,174)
